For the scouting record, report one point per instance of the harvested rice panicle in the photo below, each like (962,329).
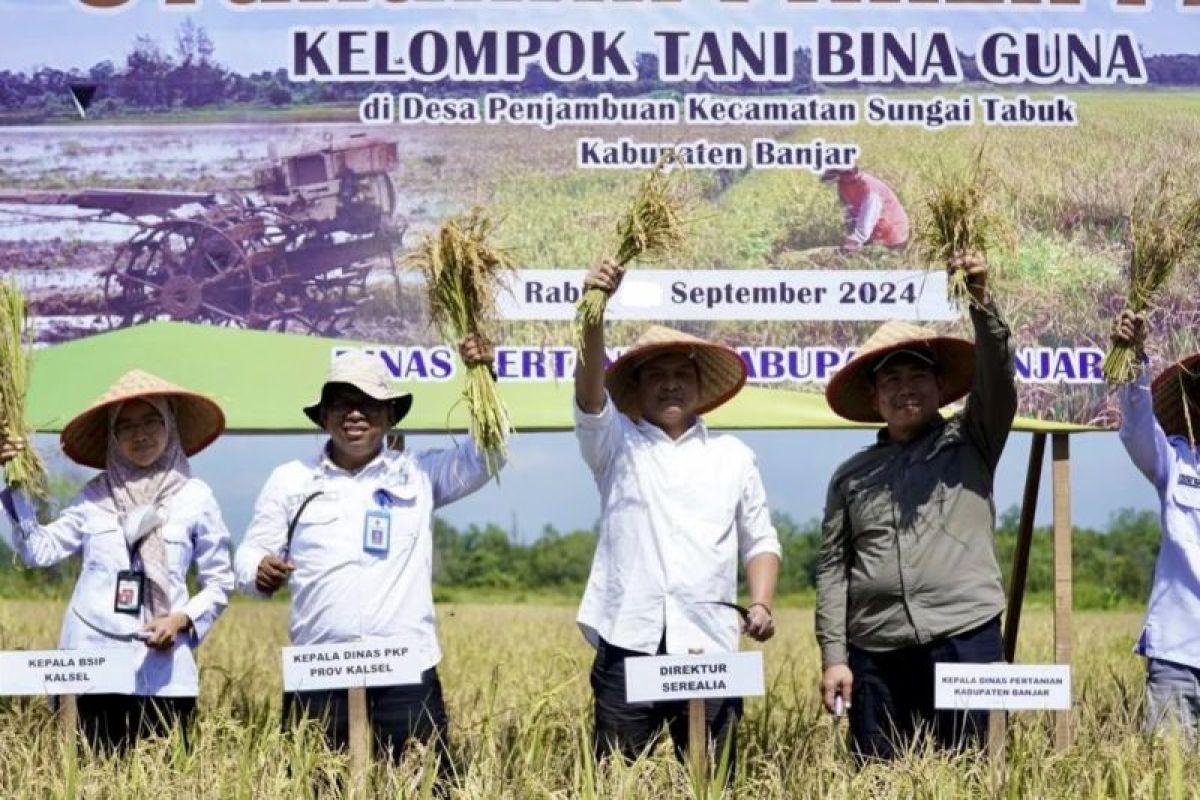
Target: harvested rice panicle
(652,228)
(27,469)
(959,215)
(463,276)
(1164,235)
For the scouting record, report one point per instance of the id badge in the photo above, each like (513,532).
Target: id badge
(377,532)
(128,598)
(1187,489)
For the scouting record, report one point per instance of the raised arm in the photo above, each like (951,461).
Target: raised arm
(1140,432)
(992,403)
(454,471)
(589,365)
(40,545)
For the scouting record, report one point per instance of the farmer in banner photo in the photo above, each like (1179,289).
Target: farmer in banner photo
(139,526)
(907,574)
(350,531)
(680,505)
(873,214)
(1159,423)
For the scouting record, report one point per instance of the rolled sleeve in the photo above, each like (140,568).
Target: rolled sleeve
(756,533)
(833,581)
(599,435)
(211,554)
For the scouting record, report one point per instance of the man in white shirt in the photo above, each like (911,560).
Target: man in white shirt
(679,506)
(310,529)
(1159,424)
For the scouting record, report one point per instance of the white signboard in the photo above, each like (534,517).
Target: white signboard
(386,662)
(652,678)
(42,672)
(1012,687)
(738,294)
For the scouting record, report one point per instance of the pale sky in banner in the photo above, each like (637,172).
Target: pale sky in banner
(61,34)
(546,481)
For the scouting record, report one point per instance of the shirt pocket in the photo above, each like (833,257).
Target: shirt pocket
(105,550)
(406,515)
(870,507)
(316,527)
(178,541)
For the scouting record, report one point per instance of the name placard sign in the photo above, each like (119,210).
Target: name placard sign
(53,672)
(1009,687)
(653,678)
(384,662)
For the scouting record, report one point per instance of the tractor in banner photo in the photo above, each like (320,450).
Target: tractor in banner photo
(293,253)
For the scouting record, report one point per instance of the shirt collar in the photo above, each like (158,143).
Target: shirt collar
(326,467)
(652,431)
(883,438)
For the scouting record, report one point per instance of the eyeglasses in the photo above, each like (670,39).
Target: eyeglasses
(151,426)
(341,406)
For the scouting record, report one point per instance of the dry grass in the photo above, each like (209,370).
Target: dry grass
(516,679)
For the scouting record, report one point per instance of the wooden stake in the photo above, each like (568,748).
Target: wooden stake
(68,718)
(1062,574)
(1016,586)
(997,735)
(697,736)
(360,740)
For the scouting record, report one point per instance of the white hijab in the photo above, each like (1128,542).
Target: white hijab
(132,487)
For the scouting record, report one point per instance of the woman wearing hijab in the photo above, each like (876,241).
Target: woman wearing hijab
(139,526)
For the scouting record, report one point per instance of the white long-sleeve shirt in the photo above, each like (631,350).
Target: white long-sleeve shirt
(193,532)
(1171,631)
(341,591)
(675,517)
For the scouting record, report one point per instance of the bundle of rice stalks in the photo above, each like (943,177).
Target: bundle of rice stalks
(651,229)
(27,469)
(1164,234)
(959,216)
(463,275)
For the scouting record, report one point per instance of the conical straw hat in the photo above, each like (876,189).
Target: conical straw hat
(199,419)
(849,391)
(722,371)
(1177,383)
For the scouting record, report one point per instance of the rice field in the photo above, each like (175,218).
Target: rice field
(516,679)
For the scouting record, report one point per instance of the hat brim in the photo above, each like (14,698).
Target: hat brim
(198,419)
(1174,386)
(400,405)
(851,389)
(722,374)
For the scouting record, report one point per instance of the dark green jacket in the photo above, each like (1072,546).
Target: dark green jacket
(908,551)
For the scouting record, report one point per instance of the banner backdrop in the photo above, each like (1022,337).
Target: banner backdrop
(265,166)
